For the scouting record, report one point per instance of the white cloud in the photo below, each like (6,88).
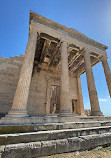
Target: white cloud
(109,97)
(102,99)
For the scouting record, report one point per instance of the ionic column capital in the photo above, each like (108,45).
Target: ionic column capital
(64,42)
(32,29)
(85,50)
(103,58)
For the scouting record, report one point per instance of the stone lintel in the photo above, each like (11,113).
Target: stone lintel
(74,32)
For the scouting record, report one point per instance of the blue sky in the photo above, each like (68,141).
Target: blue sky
(91,17)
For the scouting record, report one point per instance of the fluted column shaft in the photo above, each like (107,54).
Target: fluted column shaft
(80,107)
(95,109)
(65,107)
(107,73)
(21,95)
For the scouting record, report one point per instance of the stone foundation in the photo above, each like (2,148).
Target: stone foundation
(45,148)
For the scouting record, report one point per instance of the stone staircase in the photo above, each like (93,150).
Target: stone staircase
(43,139)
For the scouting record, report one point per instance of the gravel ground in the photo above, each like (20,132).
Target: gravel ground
(95,153)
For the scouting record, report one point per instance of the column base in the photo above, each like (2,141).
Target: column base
(96,113)
(65,113)
(17,113)
(51,115)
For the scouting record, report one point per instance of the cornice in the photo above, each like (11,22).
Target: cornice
(66,29)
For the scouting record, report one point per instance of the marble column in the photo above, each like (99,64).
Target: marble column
(95,108)
(107,72)
(65,106)
(21,95)
(80,110)
(48,97)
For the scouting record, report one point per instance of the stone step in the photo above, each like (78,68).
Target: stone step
(5,129)
(52,119)
(50,147)
(50,135)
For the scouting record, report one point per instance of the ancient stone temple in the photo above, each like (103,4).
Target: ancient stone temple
(46,80)
(41,101)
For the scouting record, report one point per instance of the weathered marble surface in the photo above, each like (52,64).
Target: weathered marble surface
(9,75)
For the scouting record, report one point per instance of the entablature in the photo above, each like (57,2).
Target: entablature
(48,49)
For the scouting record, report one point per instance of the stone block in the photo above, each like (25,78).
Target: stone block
(22,150)
(62,146)
(48,148)
(74,143)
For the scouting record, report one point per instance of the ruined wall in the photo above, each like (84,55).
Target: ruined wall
(9,75)
(37,94)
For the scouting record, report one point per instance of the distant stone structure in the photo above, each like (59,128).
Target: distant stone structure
(46,80)
(87,112)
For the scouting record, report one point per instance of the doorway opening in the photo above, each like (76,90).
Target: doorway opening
(55,99)
(74,106)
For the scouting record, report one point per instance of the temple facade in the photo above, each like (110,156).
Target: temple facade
(46,80)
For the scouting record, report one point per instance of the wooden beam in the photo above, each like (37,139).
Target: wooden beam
(40,45)
(81,69)
(71,55)
(55,57)
(45,50)
(48,37)
(76,62)
(74,47)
